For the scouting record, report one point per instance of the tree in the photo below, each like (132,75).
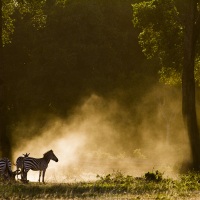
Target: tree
(78,52)
(34,9)
(7,9)
(4,137)
(172,37)
(191,35)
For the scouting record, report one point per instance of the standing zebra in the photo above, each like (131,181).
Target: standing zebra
(6,171)
(19,161)
(4,165)
(38,164)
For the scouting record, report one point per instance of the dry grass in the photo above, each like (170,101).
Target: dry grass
(112,186)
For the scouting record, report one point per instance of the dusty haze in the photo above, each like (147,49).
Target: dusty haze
(102,136)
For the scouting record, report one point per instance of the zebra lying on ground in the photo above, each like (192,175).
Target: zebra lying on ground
(19,161)
(37,164)
(6,171)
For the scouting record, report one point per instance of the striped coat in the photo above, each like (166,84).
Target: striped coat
(6,171)
(19,161)
(38,164)
(5,164)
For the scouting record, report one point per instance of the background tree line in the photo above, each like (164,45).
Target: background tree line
(64,52)
(84,47)
(173,38)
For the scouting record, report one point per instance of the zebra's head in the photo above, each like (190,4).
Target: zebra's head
(17,172)
(51,156)
(9,175)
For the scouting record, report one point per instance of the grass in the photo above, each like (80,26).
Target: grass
(111,186)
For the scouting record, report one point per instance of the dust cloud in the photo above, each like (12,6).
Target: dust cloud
(103,136)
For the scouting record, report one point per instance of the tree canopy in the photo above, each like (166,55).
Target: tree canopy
(162,26)
(174,39)
(56,53)
(83,47)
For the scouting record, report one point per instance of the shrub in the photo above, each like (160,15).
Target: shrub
(154,176)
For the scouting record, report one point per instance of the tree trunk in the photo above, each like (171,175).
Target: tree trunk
(5,139)
(188,83)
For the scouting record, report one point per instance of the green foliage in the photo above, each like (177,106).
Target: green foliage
(161,30)
(197,70)
(86,46)
(161,36)
(189,181)
(116,178)
(170,76)
(34,9)
(61,3)
(114,185)
(154,176)
(8,9)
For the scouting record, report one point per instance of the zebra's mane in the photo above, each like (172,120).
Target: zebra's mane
(46,154)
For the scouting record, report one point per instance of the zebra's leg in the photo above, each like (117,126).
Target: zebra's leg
(39,176)
(17,173)
(24,175)
(43,174)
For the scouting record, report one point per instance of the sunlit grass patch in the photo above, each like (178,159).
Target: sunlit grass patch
(115,185)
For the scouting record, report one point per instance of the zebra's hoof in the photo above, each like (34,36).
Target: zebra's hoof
(24,181)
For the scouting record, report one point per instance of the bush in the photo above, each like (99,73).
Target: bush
(154,176)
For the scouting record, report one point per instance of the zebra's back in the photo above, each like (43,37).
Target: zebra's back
(19,161)
(5,169)
(3,164)
(35,164)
